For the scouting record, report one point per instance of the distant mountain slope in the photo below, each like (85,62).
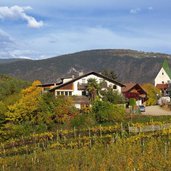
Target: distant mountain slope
(2,61)
(129,65)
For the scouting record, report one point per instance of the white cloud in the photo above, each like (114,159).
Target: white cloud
(5,40)
(51,7)
(138,10)
(21,53)
(9,47)
(32,21)
(57,42)
(17,12)
(67,41)
(135,10)
(6,44)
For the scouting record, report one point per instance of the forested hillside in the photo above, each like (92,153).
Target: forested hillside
(129,65)
(10,87)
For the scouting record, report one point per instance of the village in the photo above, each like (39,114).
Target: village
(76,87)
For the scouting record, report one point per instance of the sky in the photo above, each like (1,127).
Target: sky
(39,29)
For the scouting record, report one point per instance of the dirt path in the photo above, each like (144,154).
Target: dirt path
(156,111)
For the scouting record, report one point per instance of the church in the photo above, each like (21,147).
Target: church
(163,78)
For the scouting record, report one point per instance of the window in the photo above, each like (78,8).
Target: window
(101,80)
(162,73)
(83,80)
(58,93)
(64,93)
(46,88)
(83,93)
(114,87)
(162,82)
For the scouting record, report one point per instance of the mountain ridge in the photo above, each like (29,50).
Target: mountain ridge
(129,65)
(9,60)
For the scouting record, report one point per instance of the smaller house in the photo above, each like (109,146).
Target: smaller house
(77,87)
(163,78)
(46,87)
(134,90)
(164,74)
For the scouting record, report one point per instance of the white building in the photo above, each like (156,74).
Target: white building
(76,87)
(164,75)
(163,79)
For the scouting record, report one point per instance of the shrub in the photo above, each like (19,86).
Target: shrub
(107,112)
(112,96)
(83,120)
(64,109)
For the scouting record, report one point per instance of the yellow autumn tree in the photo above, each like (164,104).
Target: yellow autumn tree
(152,93)
(26,109)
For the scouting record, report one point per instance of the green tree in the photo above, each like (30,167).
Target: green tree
(93,88)
(10,88)
(3,110)
(47,104)
(132,102)
(110,74)
(112,96)
(107,112)
(83,120)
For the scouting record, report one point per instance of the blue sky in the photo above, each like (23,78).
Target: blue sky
(40,29)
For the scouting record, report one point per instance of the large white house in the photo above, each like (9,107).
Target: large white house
(76,87)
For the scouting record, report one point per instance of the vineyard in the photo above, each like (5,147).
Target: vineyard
(39,132)
(117,147)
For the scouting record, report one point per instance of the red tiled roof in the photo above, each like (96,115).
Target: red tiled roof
(133,88)
(128,86)
(162,86)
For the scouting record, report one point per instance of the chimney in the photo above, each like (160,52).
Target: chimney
(73,76)
(81,73)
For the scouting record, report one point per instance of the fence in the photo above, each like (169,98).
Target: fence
(149,128)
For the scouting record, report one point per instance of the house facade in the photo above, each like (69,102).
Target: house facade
(164,75)
(163,78)
(134,90)
(77,87)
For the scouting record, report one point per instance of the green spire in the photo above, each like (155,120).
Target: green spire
(166,67)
